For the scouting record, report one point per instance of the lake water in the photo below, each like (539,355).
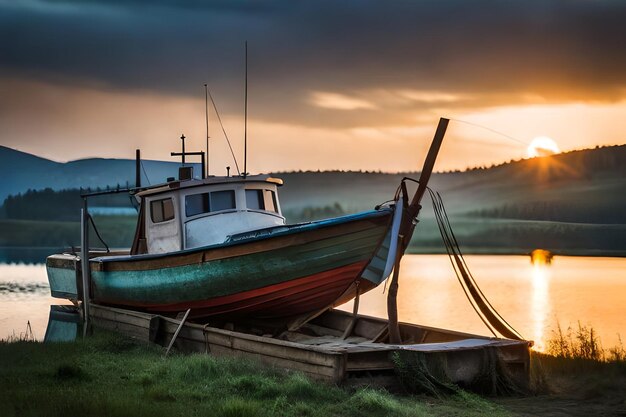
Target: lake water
(532,298)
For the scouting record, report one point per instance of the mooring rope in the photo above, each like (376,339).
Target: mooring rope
(448,246)
(485,310)
(456,244)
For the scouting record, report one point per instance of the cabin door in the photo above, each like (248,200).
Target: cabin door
(163,232)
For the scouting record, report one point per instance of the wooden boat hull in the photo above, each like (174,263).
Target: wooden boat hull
(282,272)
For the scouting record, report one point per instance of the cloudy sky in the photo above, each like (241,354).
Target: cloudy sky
(332,85)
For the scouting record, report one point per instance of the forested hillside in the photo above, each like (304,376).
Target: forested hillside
(571,203)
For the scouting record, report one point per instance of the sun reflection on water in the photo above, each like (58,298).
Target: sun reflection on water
(540,304)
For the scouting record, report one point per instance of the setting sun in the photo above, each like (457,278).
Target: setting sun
(542,146)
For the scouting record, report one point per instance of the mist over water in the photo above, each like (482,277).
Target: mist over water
(532,298)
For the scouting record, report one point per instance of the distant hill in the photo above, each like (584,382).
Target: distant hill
(590,182)
(573,202)
(20,171)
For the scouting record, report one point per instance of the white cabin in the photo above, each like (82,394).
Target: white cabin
(194,213)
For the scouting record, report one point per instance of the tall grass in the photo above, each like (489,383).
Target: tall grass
(583,343)
(25,336)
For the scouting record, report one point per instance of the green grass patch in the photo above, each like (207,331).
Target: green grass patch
(106,375)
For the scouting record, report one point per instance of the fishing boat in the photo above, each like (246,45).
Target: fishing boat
(220,246)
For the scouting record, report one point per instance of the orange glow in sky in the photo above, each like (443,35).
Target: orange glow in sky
(65,123)
(353,86)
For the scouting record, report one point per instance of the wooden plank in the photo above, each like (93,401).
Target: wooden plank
(329,373)
(368,328)
(106,310)
(369,361)
(136,332)
(124,318)
(337,319)
(197,327)
(250,343)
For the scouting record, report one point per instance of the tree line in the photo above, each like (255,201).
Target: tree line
(59,205)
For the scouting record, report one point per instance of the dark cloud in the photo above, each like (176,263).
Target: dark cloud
(494,51)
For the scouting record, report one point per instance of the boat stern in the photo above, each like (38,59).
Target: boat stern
(63,275)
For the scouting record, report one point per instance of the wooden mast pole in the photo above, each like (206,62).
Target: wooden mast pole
(408,225)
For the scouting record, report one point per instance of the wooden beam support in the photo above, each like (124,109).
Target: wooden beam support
(180,326)
(355,314)
(408,225)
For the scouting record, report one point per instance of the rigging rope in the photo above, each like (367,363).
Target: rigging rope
(95,229)
(491,130)
(224,131)
(144,172)
(477,299)
(488,314)
(447,219)
(448,246)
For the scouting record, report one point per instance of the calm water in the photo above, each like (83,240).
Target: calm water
(531,298)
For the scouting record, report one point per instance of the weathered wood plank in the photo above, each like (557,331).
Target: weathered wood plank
(256,344)
(368,361)
(136,332)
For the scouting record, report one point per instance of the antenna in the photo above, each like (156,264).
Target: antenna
(245,121)
(206,113)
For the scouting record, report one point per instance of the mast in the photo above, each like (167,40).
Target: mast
(427,169)
(206,117)
(137,168)
(245,117)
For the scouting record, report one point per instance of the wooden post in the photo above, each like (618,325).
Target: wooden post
(392,298)
(84,261)
(355,313)
(180,326)
(408,225)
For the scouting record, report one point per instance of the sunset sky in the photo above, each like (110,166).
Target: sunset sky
(332,85)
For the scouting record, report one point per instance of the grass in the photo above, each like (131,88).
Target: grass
(576,376)
(107,375)
(582,343)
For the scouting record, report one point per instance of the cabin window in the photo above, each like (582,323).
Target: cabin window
(261,200)
(254,200)
(270,201)
(161,210)
(222,200)
(207,202)
(197,204)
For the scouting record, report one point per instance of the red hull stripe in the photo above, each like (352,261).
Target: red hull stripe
(292,297)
